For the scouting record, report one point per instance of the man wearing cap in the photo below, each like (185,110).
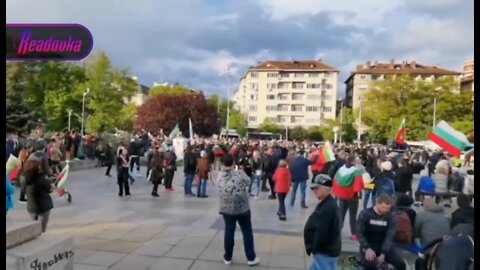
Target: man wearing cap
(322,232)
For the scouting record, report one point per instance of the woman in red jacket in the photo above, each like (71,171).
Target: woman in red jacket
(283,179)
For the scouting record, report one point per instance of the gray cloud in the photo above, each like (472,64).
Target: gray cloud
(193,41)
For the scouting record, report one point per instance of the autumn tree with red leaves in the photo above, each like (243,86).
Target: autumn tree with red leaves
(166,110)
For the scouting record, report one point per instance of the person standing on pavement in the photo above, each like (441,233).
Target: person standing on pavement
(283,181)
(322,232)
(376,231)
(189,168)
(347,187)
(156,171)
(38,189)
(234,207)
(299,170)
(170,164)
(122,172)
(134,152)
(10,191)
(256,165)
(203,172)
(319,164)
(269,165)
(109,158)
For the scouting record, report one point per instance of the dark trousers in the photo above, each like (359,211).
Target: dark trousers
(122,180)
(352,206)
(169,177)
(245,222)
(23,191)
(188,183)
(155,188)
(281,203)
(135,160)
(109,167)
(272,186)
(264,181)
(393,257)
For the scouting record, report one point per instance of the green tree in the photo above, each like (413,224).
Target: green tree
(297,133)
(389,101)
(238,121)
(465,125)
(175,90)
(270,126)
(315,133)
(110,89)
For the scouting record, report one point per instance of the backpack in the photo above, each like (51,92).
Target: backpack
(404,230)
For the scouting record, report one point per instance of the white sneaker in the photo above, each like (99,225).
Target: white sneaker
(227,262)
(254,262)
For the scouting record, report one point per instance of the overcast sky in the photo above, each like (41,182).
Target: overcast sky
(193,41)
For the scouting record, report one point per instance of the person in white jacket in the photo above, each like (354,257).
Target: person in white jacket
(468,188)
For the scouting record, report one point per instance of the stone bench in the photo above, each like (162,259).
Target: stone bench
(44,252)
(19,232)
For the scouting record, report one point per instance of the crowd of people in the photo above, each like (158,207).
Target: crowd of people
(374,175)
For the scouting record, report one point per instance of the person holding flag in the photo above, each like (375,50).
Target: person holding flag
(402,130)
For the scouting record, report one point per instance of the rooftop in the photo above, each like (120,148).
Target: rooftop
(308,65)
(403,67)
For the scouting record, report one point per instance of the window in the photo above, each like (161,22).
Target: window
(297,96)
(271,97)
(328,86)
(313,97)
(283,85)
(284,75)
(253,108)
(363,77)
(375,77)
(327,109)
(282,97)
(327,97)
(282,108)
(271,85)
(313,75)
(253,75)
(271,108)
(272,75)
(362,89)
(254,85)
(298,75)
(297,108)
(297,85)
(313,85)
(252,119)
(253,97)
(328,74)
(282,119)
(296,120)
(312,109)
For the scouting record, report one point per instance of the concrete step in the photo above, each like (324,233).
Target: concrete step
(44,252)
(19,232)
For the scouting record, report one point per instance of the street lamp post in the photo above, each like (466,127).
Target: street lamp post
(69,119)
(83,109)
(341,120)
(228,99)
(434,111)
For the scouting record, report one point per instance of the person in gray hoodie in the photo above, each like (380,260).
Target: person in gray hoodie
(431,224)
(234,207)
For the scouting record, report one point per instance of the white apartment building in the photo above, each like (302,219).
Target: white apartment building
(290,93)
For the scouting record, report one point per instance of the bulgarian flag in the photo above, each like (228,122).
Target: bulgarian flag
(402,130)
(217,150)
(453,141)
(347,182)
(327,154)
(12,164)
(62,180)
(174,132)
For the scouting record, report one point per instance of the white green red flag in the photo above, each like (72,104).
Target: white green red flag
(451,140)
(12,164)
(62,180)
(327,152)
(347,182)
(402,130)
(174,132)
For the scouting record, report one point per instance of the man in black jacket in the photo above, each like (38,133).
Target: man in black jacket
(269,166)
(134,152)
(322,234)
(189,169)
(376,230)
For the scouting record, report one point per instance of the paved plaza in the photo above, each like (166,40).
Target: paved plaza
(170,232)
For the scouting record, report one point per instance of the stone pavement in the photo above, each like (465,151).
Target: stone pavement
(170,232)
